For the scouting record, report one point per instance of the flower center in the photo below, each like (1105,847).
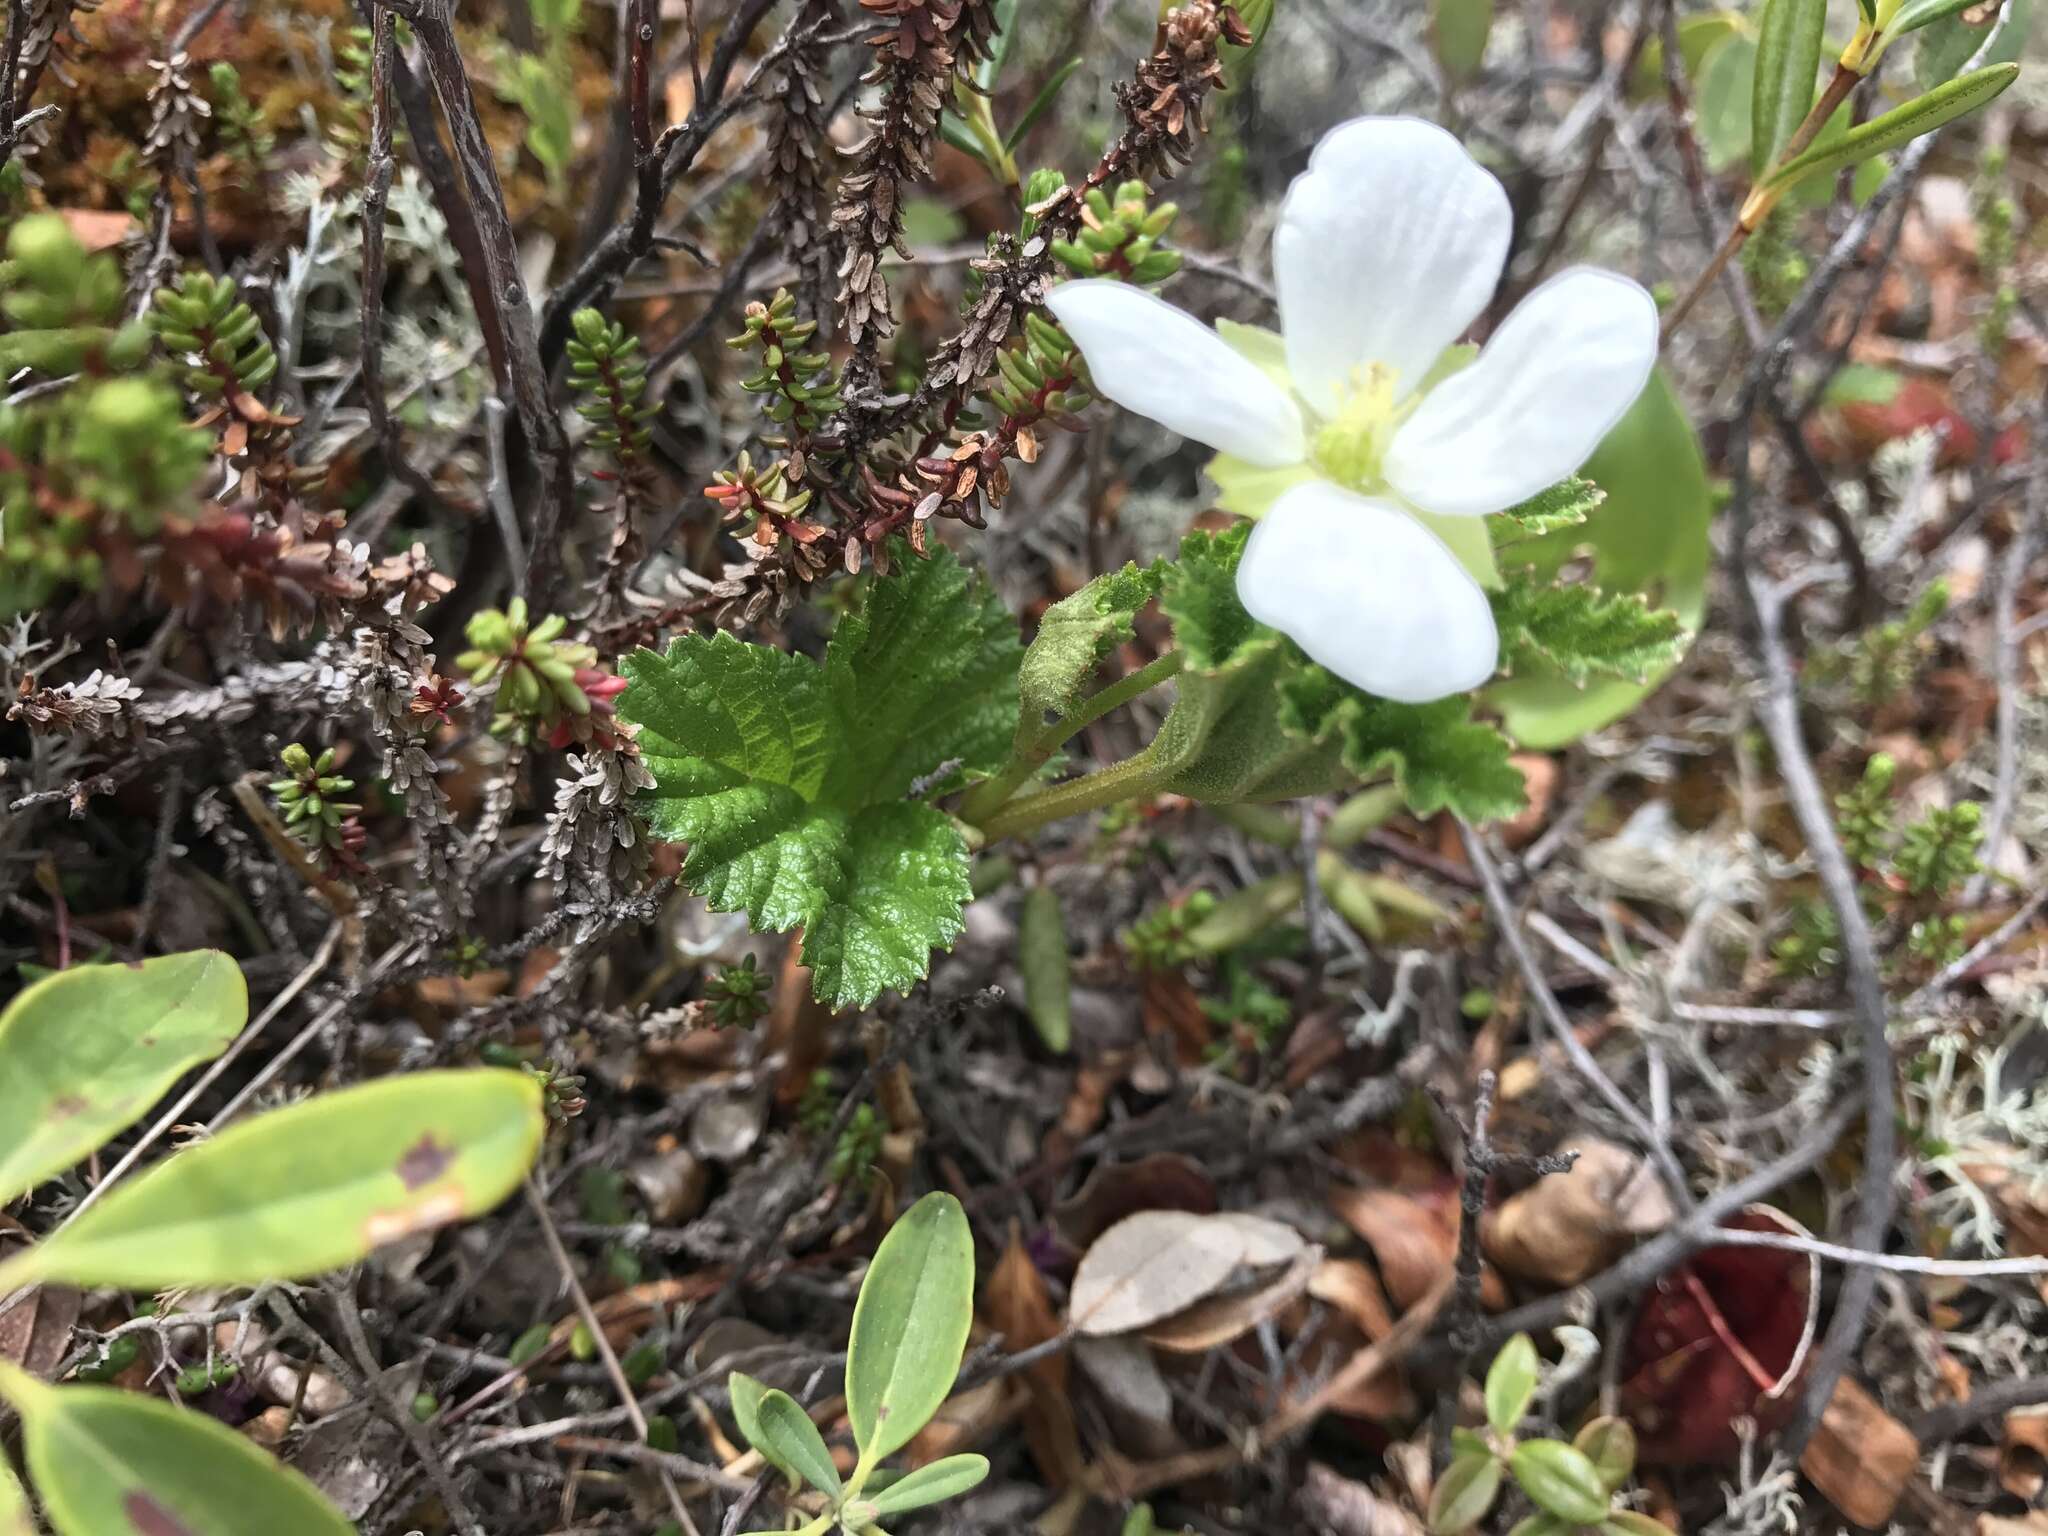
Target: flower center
(1351,446)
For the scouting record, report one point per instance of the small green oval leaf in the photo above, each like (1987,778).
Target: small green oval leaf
(1724,100)
(1043,962)
(1542,1524)
(85,1053)
(1464,1493)
(946,1478)
(1787,62)
(307,1189)
(747,1394)
(1560,1480)
(790,1439)
(910,1326)
(1900,126)
(1511,1383)
(113,1463)
(1610,1444)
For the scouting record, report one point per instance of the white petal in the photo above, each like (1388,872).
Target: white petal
(1557,375)
(1156,360)
(1370,593)
(1389,245)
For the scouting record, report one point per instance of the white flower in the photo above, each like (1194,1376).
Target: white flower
(1388,248)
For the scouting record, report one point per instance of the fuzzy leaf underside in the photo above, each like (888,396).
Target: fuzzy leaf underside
(791,780)
(1584,632)
(1257,720)
(1075,635)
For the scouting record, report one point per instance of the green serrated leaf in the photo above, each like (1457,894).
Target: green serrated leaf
(1900,126)
(1511,1383)
(792,782)
(1782,84)
(86,1052)
(1464,1494)
(1565,505)
(1560,1481)
(107,1461)
(910,1326)
(1257,720)
(290,1194)
(746,1394)
(1075,635)
(1043,962)
(1650,536)
(946,1478)
(791,1441)
(1583,632)
(1439,757)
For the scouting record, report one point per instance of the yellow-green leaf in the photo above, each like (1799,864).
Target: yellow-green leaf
(790,1439)
(1510,1384)
(15,1519)
(1560,1480)
(1464,1493)
(1900,126)
(946,1478)
(1043,962)
(114,1463)
(910,1326)
(1460,29)
(302,1190)
(85,1053)
(747,1394)
(1787,60)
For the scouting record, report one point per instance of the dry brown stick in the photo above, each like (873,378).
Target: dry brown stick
(1778,712)
(508,312)
(376,191)
(1128,1480)
(2012,575)
(1552,1013)
(594,1325)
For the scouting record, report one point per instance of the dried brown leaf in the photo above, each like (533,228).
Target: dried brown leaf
(1148,1267)
(1861,1457)
(1567,1226)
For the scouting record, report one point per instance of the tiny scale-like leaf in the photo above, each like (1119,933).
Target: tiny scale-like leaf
(106,1460)
(298,1191)
(910,1326)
